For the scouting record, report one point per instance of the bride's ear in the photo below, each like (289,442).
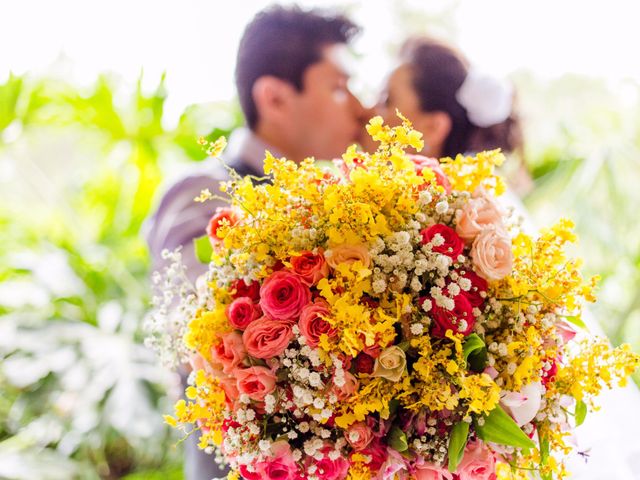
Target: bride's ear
(435,127)
(272,97)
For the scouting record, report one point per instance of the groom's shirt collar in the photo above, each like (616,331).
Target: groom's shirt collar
(246,151)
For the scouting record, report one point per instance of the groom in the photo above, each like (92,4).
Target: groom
(292,85)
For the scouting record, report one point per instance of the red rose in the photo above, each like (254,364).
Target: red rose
(452,245)
(363,363)
(242,311)
(222,215)
(241,289)
(283,296)
(309,267)
(478,286)
(550,374)
(444,319)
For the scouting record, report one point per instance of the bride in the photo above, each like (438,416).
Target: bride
(461,110)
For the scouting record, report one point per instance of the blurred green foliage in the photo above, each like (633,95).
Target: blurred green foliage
(80,167)
(79,171)
(583,149)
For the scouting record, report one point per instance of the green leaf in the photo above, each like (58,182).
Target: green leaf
(457,442)
(475,352)
(394,403)
(581,412)
(577,321)
(203,249)
(499,427)
(398,440)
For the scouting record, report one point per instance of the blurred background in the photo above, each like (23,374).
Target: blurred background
(102,102)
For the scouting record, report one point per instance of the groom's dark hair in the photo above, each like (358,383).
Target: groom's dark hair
(284,42)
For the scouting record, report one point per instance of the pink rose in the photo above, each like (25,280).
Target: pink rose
(329,469)
(450,244)
(359,435)
(242,311)
(267,338)
(421,162)
(350,387)
(311,268)
(429,471)
(491,254)
(477,214)
(477,463)
(230,352)
(248,474)
(312,323)
(348,254)
(378,453)
(256,382)
(280,466)
(283,296)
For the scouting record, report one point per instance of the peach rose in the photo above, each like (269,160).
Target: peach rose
(223,216)
(478,214)
(312,325)
(350,387)
(283,296)
(477,463)
(348,254)
(230,386)
(198,362)
(390,364)
(359,436)
(267,338)
(311,268)
(256,382)
(230,352)
(491,254)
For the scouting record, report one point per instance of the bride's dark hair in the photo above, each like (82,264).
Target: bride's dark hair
(438,72)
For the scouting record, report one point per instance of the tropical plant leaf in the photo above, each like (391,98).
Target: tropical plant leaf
(203,249)
(499,427)
(398,440)
(457,442)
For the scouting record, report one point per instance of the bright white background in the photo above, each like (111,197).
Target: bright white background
(194,41)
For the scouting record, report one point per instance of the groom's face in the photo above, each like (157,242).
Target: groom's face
(327,117)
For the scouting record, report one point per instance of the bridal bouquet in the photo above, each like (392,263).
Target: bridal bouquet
(385,317)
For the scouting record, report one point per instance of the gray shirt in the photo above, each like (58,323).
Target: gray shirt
(179,219)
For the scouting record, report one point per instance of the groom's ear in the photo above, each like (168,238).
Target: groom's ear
(435,126)
(272,97)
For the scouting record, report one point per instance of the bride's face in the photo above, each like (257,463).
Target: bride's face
(400,95)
